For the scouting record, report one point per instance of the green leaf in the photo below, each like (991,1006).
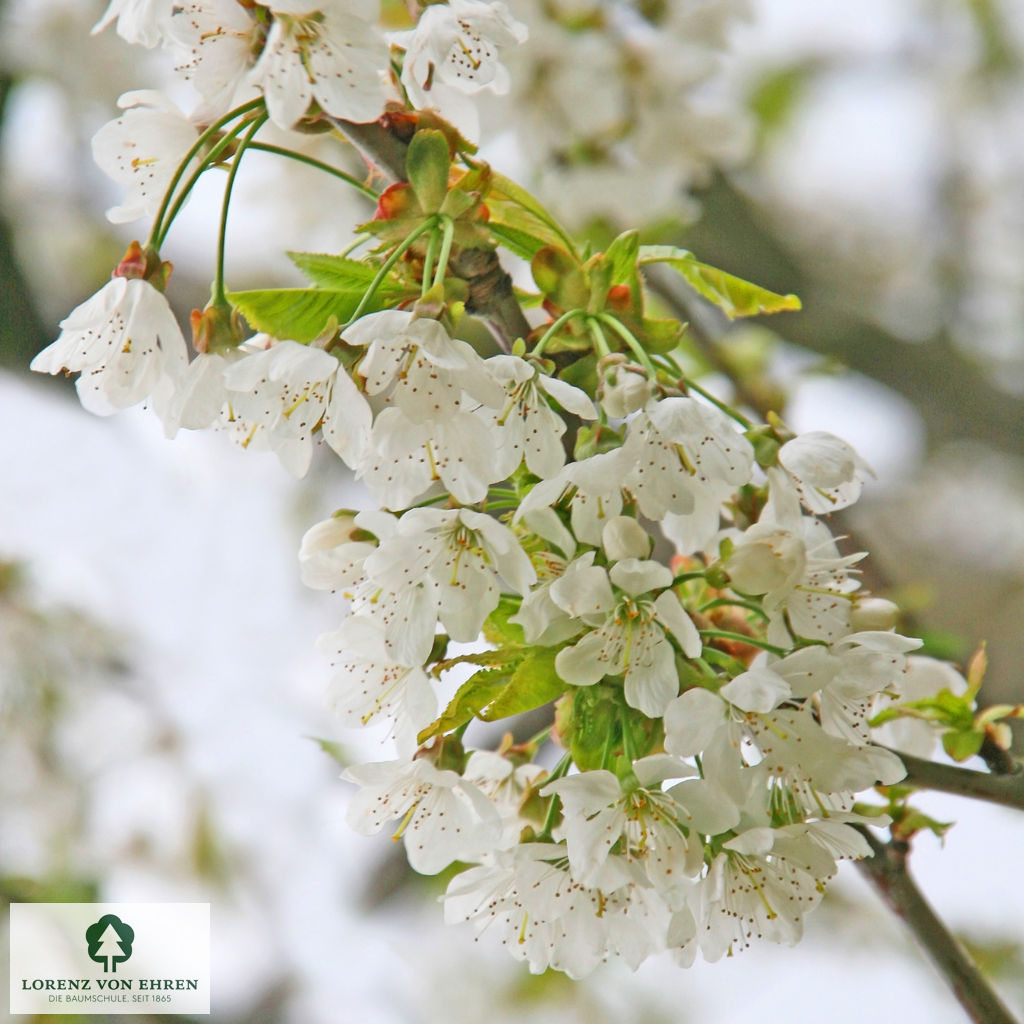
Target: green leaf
(335,272)
(734,296)
(473,695)
(962,745)
(498,630)
(622,254)
(544,224)
(522,243)
(534,683)
(300,314)
(519,679)
(427,165)
(916,821)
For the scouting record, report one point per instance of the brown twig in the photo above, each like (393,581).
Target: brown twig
(887,872)
(1005,788)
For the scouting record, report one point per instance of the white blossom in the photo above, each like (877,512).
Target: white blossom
(325,52)
(313,50)
(506,784)
(921,678)
(332,551)
(826,471)
(199,393)
(280,394)
(792,562)
(527,426)
(679,447)
(453,53)
(595,487)
(444,817)
(138,21)
(624,387)
(632,634)
(431,384)
(455,558)
(141,150)
(213,42)
(761,885)
(125,342)
(542,915)
(369,685)
(658,830)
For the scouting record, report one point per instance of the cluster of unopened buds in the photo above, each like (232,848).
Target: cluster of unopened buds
(569,528)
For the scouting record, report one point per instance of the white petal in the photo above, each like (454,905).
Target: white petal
(636,576)
(692,720)
(759,689)
(674,618)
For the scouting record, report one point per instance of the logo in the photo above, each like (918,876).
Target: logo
(110,942)
(109,958)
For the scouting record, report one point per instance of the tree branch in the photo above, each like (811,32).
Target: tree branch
(887,872)
(1006,789)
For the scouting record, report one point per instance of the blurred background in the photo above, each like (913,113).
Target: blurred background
(164,729)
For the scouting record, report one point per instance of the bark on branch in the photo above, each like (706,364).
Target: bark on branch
(888,874)
(1006,789)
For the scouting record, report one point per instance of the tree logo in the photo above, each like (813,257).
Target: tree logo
(110,942)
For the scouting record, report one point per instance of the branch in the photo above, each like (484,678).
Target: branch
(491,295)
(1006,789)
(378,146)
(887,872)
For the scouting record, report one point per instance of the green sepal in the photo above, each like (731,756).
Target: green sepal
(560,279)
(428,164)
(590,725)
(622,256)
(597,438)
(961,745)
(659,335)
(520,242)
(734,296)
(582,373)
(467,193)
(511,205)
(766,445)
(517,679)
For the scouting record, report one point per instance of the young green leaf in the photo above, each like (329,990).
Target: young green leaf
(533,684)
(328,271)
(300,314)
(734,296)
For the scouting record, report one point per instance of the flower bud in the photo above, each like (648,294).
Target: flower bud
(145,265)
(216,329)
(873,613)
(624,387)
(624,537)
(765,562)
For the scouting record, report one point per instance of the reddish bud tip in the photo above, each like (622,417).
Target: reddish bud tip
(619,297)
(394,201)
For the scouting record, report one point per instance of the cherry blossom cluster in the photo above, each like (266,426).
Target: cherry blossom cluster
(571,535)
(596,85)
